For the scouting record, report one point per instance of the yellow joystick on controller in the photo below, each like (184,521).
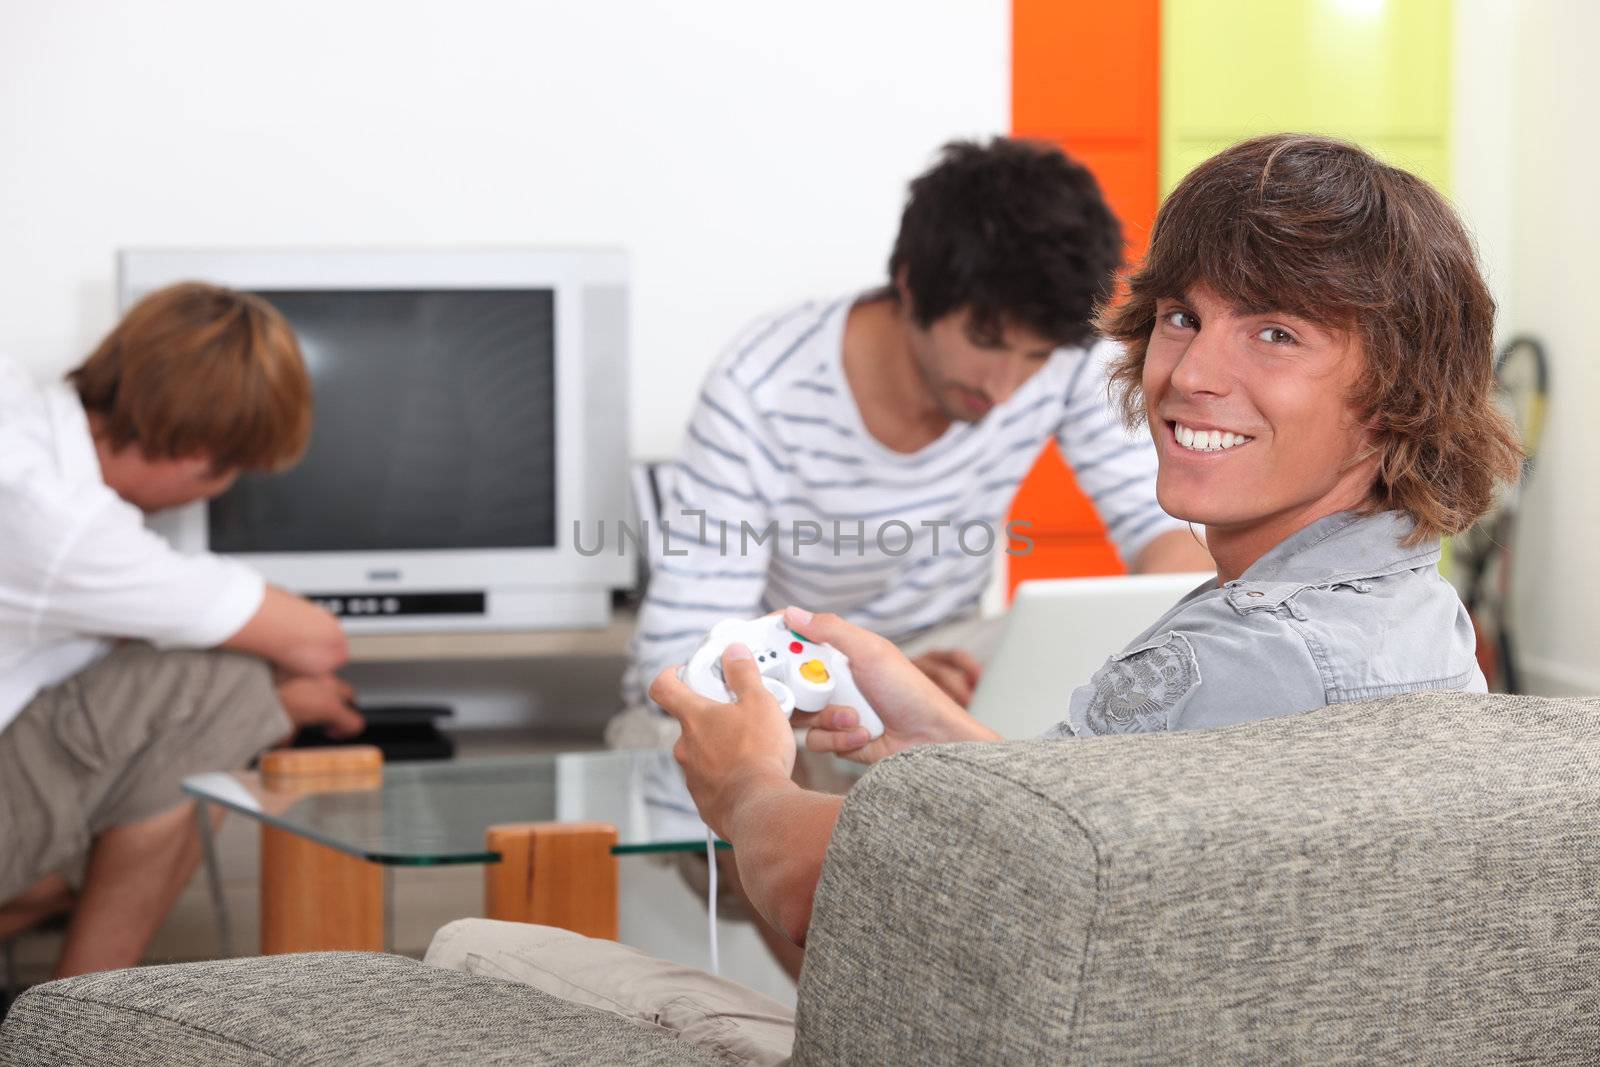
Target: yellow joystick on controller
(814,671)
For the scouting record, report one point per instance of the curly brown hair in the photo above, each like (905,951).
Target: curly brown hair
(1320,229)
(197,369)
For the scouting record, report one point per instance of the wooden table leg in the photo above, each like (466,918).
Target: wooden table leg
(315,898)
(554,874)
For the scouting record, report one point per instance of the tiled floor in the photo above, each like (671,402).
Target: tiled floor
(659,914)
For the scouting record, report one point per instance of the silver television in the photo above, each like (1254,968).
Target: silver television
(471,418)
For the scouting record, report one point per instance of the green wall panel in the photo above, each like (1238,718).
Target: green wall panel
(1374,71)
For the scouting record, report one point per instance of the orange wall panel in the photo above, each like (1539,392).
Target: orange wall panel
(1068,537)
(1086,75)
(1084,64)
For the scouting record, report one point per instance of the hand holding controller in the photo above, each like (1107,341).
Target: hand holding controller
(797,672)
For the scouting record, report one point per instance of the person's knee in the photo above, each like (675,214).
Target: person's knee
(230,678)
(447,947)
(183,670)
(455,941)
(177,689)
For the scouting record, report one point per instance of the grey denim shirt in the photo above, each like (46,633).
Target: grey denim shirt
(1339,611)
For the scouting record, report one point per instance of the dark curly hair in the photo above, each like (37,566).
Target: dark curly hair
(1322,229)
(1014,231)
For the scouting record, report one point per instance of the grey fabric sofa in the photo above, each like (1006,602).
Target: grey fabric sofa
(1414,879)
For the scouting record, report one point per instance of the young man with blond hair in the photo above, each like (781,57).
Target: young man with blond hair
(1309,345)
(125,665)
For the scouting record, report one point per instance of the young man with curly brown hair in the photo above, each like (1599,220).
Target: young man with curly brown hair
(1309,344)
(125,665)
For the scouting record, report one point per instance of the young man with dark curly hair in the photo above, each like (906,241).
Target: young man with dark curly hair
(866,431)
(861,454)
(1309,344)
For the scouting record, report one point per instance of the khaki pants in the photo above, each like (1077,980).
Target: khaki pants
(702,1009)
(110,746)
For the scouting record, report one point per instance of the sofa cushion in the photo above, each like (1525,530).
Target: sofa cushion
(341,1008)
(1416,878)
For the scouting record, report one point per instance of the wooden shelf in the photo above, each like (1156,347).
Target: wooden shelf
(611,640)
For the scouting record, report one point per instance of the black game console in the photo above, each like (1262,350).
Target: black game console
(401,731)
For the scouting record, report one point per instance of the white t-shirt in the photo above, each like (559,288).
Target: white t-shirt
(892,541)
(78,567)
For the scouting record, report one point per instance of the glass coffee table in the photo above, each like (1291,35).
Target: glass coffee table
(548,829)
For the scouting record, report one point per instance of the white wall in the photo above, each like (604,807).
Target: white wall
(1556,289)
(1483,124)
(745,154)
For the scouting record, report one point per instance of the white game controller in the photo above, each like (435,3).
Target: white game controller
(799,673)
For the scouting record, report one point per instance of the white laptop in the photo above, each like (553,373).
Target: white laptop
(1056,635)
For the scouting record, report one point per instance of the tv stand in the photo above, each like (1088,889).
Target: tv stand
(608,640)
(565,682)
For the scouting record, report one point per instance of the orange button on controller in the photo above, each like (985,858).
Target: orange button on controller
(814,671)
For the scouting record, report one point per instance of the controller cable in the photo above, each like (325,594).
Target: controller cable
(711,899)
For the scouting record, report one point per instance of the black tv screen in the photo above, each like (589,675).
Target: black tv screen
(435,427)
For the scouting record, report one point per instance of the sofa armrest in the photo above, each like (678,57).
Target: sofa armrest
(952,921)
(342,1008)
(1402,879)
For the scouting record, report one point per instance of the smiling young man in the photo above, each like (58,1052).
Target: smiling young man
(1310,341)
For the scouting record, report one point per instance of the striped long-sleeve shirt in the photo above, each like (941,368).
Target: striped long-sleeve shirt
(782,496)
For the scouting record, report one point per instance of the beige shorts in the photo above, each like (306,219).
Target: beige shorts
(713,1013)
(110,745)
